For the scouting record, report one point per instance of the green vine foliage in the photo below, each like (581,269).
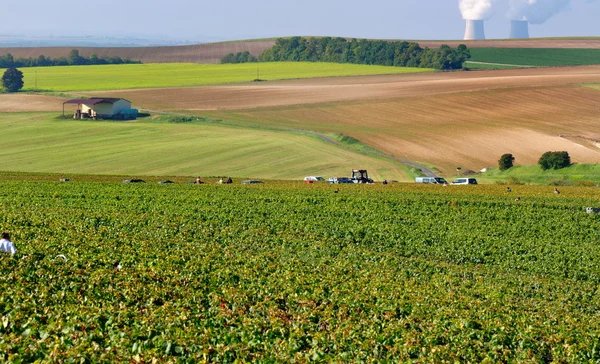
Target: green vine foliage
(285,272)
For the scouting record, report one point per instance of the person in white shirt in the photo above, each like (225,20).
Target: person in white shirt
(7,245)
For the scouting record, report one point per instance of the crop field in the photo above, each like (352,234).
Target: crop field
(491,66)
(132,76)
(536,57)
(113,272)
(39,142)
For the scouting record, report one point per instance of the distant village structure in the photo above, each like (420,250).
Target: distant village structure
(106,108)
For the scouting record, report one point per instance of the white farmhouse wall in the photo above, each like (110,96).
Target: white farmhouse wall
(107,109)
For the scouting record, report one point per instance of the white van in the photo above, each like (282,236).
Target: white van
(431,180)
(465,181)
(314,178)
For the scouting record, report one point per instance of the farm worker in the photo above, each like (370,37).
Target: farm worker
(7,245)
(508,189)
(198,181)
(221,181)
(229,180)
(556,191)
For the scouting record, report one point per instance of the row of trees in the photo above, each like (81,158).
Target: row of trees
(239,57)
(372,52)
(549,160)
(73,59)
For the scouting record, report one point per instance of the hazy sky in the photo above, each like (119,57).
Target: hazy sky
(242,19)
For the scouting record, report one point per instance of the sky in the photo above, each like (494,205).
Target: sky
(215,20)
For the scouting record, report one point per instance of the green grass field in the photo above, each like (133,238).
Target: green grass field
(577,174)
(538,57)
(595,86)
(115,77)
(41,143)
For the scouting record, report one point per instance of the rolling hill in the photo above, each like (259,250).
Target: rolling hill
(213,52)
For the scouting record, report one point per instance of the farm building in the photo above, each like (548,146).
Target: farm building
(102,108)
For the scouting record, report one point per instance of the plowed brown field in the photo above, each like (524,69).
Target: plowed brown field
(213,52)
(326,90)
(444,119)
(25,102)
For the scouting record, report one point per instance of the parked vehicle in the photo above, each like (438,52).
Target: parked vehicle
(314,178)
(465,181)
(134,180)
(251,182)
(360,176)
(340,180)
(430,180)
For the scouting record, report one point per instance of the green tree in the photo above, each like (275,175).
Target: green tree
(75,58)
(554,160)
(506,161)
(12,80)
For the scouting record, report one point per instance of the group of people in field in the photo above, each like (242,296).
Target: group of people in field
(508,189)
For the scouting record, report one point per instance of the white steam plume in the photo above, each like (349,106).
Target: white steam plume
(476,9)
(537,11)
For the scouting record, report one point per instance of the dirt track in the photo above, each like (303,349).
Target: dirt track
(326,90)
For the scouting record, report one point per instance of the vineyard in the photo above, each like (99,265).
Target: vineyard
(288,271)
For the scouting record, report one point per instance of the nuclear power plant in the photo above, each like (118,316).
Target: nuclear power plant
(474,30)
(519,29)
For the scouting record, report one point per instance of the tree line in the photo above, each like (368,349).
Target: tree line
(363,51)
(73,59)
(239,57)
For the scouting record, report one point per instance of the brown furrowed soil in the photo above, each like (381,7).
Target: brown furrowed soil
(326,90)
(27,102)
(465,119)
(213,52)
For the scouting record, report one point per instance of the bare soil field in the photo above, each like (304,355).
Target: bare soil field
(465,119)
(327,90)
(213,52)
(200,53)
(28,102)
(468,129)
(592,43)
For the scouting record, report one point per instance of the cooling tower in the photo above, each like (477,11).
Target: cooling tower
(474,30)
(519,29)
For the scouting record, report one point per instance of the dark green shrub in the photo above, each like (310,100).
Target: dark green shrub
(506,161)
(554,160)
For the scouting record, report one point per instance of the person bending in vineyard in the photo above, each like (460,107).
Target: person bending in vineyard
(6,245)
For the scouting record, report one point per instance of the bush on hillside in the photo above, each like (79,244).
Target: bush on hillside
(239,57)
(554,160)
(506,162)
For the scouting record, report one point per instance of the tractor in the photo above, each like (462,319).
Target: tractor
(360,176)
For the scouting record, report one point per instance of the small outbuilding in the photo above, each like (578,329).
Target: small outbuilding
(102,108)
